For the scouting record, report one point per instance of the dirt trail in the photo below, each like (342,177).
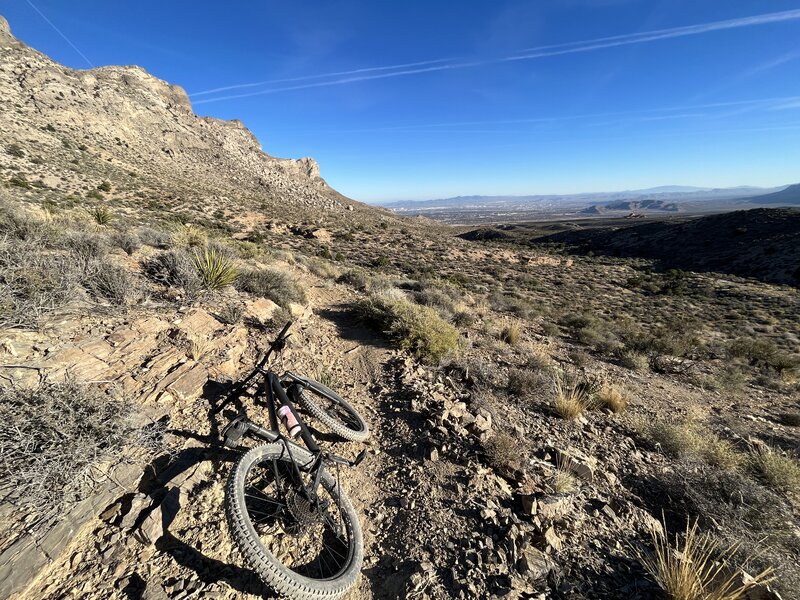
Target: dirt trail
(115,558)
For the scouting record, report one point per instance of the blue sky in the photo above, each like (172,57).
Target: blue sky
(414,100)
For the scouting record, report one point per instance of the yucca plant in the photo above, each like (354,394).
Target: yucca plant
(697,567)
(101,215)
(215,269)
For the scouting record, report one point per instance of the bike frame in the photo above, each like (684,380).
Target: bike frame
(273,390)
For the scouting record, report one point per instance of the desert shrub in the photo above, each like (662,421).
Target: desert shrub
(19,180)
(635,361)
(762,354)
(15,150)
(676,439)
(511,333)
(696,567)
(127,241)
(174,268)
(230,313)
(778,470)
(322,268)
(53,439)
(114,283)
(33,284)
(720,453)
(524,382)
(216,270)
(505,452)
(355,278)
(26,227)
(85,247)
(104,187)
(189,235)
(572,394)
(94,195)
(155,238)
(278,286)
(416,328)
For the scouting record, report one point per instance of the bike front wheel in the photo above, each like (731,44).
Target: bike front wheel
(300,548)
(330,409)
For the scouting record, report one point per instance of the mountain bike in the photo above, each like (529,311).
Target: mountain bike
(286,510)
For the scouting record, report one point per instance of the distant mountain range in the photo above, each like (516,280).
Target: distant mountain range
(669,198)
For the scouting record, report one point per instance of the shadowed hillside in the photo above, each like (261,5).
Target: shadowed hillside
(762,243)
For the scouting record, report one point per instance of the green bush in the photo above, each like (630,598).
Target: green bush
(418,329)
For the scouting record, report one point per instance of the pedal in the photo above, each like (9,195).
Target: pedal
(235,431)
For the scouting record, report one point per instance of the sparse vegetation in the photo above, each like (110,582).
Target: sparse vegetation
(54,439)
(778,470)
(511,333)
(101,214)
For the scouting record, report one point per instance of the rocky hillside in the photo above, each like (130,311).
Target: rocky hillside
(121,124)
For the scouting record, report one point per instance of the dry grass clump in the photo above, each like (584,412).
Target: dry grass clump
(416,328)
(563,481)
(778,470)
(275,285)
(697,567)
(524,382)
(198,347)
(216,270)
(572,394)
(189,235)
(52,440)
(511,333)
(613,398)
(676,439)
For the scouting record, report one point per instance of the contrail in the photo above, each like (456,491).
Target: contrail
(658,34)
(335,74)
(59,32)
(527,54)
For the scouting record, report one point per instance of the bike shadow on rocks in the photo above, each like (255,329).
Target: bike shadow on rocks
(167,484)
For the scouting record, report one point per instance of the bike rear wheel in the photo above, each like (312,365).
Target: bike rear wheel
(331,410)
(301,549)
